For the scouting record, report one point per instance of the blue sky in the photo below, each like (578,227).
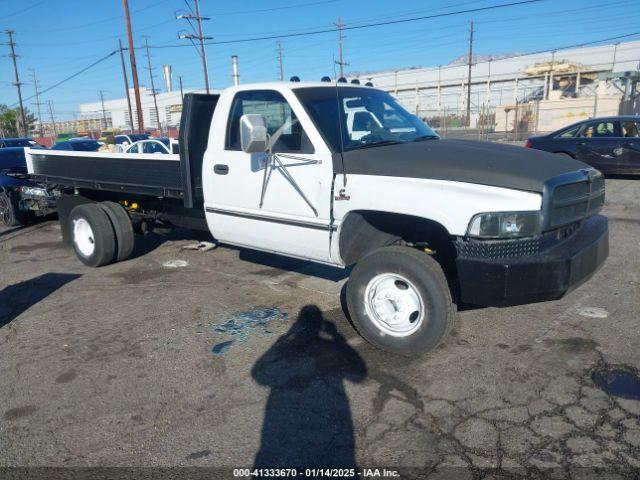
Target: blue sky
(59,37)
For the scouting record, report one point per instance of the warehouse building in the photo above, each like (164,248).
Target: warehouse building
(551,89)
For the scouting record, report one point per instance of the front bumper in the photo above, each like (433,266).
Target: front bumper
(537,277)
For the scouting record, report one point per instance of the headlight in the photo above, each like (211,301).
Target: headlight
(504,225)
(34,191)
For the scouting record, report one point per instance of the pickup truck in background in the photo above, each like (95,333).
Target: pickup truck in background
(278,167)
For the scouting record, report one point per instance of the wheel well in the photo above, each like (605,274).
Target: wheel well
(363,231)
(564,153)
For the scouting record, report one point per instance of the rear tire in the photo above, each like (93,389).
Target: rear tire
(122,227)
(92,235)
(399,300)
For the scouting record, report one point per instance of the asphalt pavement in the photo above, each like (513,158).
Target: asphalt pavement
(236,359)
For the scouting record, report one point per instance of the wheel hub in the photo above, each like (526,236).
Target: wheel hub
(394,304)
(83,237)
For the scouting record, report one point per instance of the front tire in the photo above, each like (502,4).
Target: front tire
(10,214)
(92,235)
(399,300)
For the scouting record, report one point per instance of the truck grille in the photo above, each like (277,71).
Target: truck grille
(573,197)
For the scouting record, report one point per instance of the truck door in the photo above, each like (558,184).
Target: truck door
(280,206)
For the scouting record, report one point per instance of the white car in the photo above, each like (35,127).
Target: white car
(148,146)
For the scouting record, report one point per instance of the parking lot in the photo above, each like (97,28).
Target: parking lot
(231,358)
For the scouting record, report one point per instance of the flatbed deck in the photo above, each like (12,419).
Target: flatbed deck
(158,175)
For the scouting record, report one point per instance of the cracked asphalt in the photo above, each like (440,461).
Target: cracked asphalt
(235,359)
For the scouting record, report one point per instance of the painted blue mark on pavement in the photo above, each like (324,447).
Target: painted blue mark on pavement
(239,326)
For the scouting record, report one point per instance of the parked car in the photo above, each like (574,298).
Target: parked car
(21,199)
(17,142)
(162,145)
(274,167)
(610,144)
(129,139)
(78,145)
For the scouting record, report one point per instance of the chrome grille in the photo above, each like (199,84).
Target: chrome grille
(572,197)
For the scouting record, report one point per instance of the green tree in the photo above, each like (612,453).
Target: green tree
(9,118)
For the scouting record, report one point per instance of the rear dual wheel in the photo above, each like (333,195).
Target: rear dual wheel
(399,300)
(100,233)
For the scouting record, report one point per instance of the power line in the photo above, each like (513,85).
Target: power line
(368,25)
(274,8)
(23,10)
(70,77)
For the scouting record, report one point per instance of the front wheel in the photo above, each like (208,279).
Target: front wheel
(399,300)
(10,214)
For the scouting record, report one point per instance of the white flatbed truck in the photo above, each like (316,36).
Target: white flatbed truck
(277,167)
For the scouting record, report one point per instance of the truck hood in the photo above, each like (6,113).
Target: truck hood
(466,161)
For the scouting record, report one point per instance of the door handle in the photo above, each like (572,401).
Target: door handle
(221,169)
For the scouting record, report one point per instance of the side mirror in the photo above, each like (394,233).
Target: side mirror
(253,133)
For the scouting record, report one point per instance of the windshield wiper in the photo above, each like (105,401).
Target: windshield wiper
(377,144)
(425,137)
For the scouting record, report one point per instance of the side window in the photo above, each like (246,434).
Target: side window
(281,120)
(571,133)
(362,122)
(630,129)
(153,147)
(134,148)
(601,129)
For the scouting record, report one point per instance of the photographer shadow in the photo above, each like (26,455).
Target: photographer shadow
(308,420)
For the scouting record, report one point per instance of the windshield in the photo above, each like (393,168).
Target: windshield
(361,118)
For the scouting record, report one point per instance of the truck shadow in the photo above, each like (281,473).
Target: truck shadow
(279,264)
(308,421)
(147,243)
(18,298)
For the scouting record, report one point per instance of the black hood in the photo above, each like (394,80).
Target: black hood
(467,161)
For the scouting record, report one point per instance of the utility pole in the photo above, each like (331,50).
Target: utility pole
(23,129)
(104,112)
(53,120)
(340,61)
(279,43)
(469,76)
(126,85)
(35,86)
(134,68)
(181,91)
(198,36)
(153,88)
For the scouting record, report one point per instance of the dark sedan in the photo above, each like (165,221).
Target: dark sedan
(78,144)
(611,144)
